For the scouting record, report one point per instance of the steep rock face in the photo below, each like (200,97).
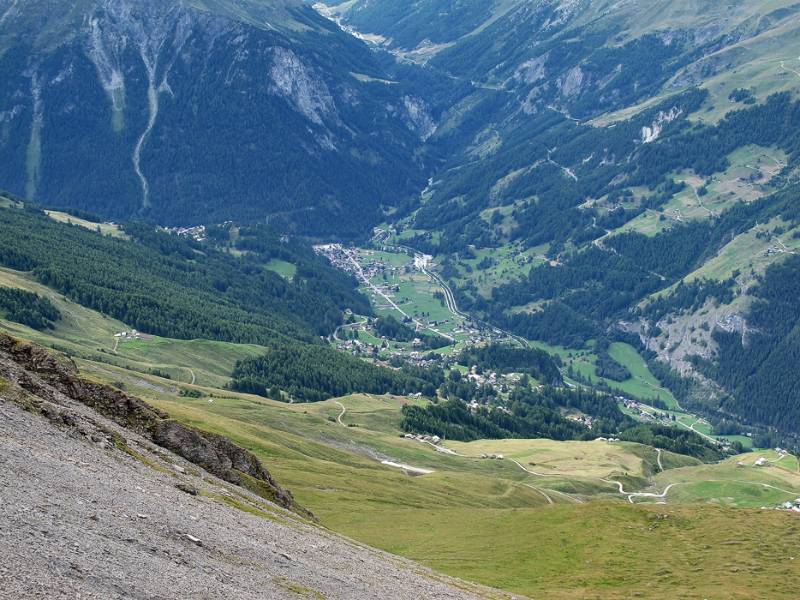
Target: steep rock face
(307,92)
(185,113)
(218,455)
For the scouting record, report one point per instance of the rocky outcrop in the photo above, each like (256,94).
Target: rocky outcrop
(305,90)
(221,457)
(653,132)
(50,380)
(418,117)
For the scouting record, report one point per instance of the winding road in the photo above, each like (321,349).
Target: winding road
(632,495)
(347,326)
(622,491)
(341,414)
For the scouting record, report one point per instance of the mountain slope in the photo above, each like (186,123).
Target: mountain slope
(95,509)
(190,112)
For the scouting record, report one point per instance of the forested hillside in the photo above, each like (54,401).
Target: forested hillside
(170,286)
(639,160)
(759,365)
(312,373)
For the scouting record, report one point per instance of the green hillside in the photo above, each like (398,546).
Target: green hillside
(585,544)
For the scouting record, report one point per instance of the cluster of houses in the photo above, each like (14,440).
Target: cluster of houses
(791,506)
(481,378)
(763,462)
(430,439)
(342,258)
(375,268)
(197,233)
(126,336)
(643,411)
(585,420)
(359,348)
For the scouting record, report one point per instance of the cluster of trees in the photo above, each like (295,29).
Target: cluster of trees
(506,359)
(455,420)
(389,327)
(314,373)
(743,95)
(529,414)
(540,414)
(28,308)
(680,441)
(608,367)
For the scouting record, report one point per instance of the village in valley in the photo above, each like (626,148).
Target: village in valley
(402,283)
(398,284)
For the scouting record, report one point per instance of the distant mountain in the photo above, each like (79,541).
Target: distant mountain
(200,111)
